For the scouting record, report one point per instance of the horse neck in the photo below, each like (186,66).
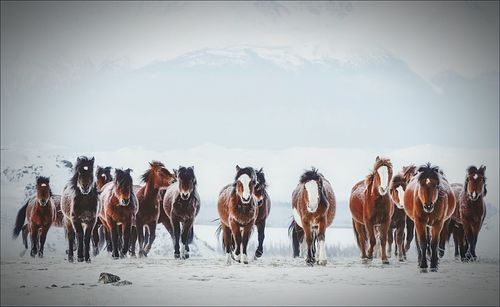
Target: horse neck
(149,189)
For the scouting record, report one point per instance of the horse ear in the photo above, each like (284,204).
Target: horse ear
(261,170)
(192,167)
(377,158)
(129,170)
(92,160)
(482,169)
(175,172)
(237,168)
(150,164)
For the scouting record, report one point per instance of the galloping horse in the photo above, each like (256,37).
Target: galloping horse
(181,205)
(313,208)
(371,207)
(398,221)
(472,209)
(119,206)
(155,178)
(263,209)
(79,206)
(40,212)
(429,201)
(103,175)
(237,208)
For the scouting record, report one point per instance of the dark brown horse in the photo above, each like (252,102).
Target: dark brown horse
(263,209)
(456,228)
(181,205)
(40,213)
(400,221)
(237,208)
(371,207)
(429,201)
(103,175)
(79,206)
(155,178)
(470,213)
(313,208)
(118,207)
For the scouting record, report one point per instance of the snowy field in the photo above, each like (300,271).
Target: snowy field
(277,278)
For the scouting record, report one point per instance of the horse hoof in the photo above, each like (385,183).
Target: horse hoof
(79,259)
(132,255)
(322,262)
(228,258)
(87,260)
(402,260)
(258,253)
(177,256)
(385,261)
(40,255)
(434,269)
(185,256)
(423,270)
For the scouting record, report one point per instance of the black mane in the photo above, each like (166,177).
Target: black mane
(312,174)
(123,178)
(81,162)
(147,174)
(261,179)
(246,170)
(41,179)
(187,174)
(429,171)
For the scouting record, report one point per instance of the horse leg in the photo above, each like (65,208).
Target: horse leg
(34,239)
(297,235)
(126,229)
(371,238)
(468,236)
(133,241)
(151,236)
(454,232)
(322,259)
(43,237)
(260,231)
(461,243)
(400,233)
(436,231)
(87,237)
(361,238)
(226,240)
(79,237)
(235,230)
(95,238)
(114,239)
(383,232)
(140,237)
(474,235)
(70,233)
(443,237)
(421,233)
(244,242)
(308,235)
(410,228)
(177,235)
(186,228)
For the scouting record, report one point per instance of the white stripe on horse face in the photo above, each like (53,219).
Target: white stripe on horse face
(383,173)
(312,195)
(245,182)
(43,185)
(401,194)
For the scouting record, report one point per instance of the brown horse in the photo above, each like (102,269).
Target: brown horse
(263,209)
(471,211)
(103,175)
(118,207)
(181,205)
(155,178)
(456,228)
(429,201)
(313,208)
(371,207)
(40,212)
(237,208)
(79,206)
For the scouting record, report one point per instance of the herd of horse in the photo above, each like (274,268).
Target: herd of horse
(106,210)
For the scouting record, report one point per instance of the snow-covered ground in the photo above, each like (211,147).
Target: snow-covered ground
(277,278)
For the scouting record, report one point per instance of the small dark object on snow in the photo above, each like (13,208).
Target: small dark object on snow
(64,287)
(108,278)
(54,286)
(122,283)
(22,286)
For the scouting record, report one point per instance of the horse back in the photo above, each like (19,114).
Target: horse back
(356,201)
(223,204)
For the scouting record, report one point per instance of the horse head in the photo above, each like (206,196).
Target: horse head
(103,175)
(260,187)
(159,175)
(123,186)
(314,194)
(43,192)
(187,181)
(475,182)
(245,181)
(429,179)
(381,175)
(397,190)
(83,176)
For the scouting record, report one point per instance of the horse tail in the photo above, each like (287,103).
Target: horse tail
(297,234)
(218,235)
(21,217)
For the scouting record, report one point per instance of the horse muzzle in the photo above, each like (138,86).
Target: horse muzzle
(382,191)
(44,203)
(399,206)
(85,191)
(185,196)
(428,208)
(246,200)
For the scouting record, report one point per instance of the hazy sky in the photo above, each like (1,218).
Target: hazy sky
(97,75)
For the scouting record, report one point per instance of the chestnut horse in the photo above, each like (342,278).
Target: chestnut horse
(40,212)
(118,207)
(400,221)
(263,209)
(103,175)
(429,201)
(313,208)
(181,205)
(470,213)
(371,207)
(237,208)
(155,178)
(79,207)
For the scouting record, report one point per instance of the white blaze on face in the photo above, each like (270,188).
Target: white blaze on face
(312,195)
(245,182)
(383,173)
(475,176)
(43,185)
(401,194)
(86,168)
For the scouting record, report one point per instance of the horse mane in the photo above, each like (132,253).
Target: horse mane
(123,178)
(474,170)
(189,171)
(80,161)
(409,171)
(147,174)
(398,179)
(309,175)
(378,163)
(430,171)
(245,170)
(261,179)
